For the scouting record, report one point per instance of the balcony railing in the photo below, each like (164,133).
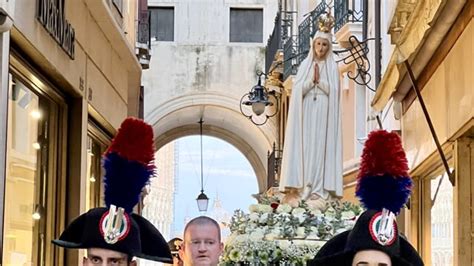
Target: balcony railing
(345,12)
(290,51)
(143,43)
(274,43)
(308,28)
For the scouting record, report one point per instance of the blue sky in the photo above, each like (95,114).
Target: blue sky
(226,173)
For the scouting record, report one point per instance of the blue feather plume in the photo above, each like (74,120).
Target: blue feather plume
(377,192)
(124,180)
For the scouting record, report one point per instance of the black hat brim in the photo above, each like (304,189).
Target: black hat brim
(333,253)
(71,237)
(154,245)
(143,241)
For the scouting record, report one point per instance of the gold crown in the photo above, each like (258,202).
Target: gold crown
(326,22)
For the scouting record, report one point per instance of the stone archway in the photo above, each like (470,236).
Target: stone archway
(178,118)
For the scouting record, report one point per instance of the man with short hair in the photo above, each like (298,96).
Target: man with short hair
(202,244)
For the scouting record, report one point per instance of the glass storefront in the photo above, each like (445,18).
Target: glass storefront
(97,143)
(31,152)
(442,222)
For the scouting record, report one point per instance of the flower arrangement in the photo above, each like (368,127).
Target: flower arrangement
(279,233)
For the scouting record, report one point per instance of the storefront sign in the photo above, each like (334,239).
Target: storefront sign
(50,14)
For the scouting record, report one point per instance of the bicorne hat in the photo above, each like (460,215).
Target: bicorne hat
(383,187)
(128,164)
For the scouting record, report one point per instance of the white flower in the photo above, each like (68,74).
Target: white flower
(330,213)
(231,238)
(349,223)
(240,238)
(263,208)
(234,255)
(263,218)
(283,208)
(284,217)
(300,232)
(250,227)
(256,235)
(316,212)
(254,217)
(276,232)
(301,217)
(261,230)
(253,207)
(347,215)
(284,245)
(313,234)
(307,256)
(298,211)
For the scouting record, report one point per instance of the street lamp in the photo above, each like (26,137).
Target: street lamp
(202,199)
(258,98)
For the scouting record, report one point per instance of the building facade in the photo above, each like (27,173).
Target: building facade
(70,75)
(209,53)
(158,205)
(433,46)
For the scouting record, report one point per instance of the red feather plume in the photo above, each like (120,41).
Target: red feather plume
(383,154)
(383,180)
(134,141)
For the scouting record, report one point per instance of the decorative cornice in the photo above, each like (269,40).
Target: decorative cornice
(411,38)
(400,18)
(423,18)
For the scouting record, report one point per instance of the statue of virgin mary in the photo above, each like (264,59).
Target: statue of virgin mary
(312,151)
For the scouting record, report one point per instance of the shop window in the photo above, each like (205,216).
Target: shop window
(246,25)
(442,240)
(32,164)
(97,143)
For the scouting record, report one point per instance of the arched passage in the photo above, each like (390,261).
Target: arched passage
(178,118)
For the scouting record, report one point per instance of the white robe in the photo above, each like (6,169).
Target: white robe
(312,152)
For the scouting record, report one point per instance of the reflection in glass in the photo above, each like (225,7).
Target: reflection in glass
(36,146)
(37,212)
(36,114)
(442,241)
(25,182)
(95,148)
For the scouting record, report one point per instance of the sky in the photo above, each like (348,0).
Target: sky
(226,174)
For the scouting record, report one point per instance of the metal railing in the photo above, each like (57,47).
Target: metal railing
(307,29)
(296,47)
(143,41)
(290,51)
(345,12)
(274,43)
